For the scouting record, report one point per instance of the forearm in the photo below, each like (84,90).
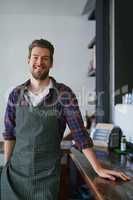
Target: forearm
(103,172)
(91,156)
(8,149)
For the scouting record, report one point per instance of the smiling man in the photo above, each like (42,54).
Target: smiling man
(35,120)
(40,63)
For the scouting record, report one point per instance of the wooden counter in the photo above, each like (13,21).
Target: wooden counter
(101,188)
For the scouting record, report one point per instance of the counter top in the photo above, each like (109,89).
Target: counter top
(104,189)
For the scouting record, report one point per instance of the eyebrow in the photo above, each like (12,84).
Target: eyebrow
(42,56)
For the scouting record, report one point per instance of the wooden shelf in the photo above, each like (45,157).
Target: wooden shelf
(92,15)
(92,43)
(92,73)
(91,8)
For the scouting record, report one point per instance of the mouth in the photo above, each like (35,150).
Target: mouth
(39,69)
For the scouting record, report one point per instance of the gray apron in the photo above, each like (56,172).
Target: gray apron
(33,172)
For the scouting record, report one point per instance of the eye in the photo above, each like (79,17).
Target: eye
(45,58)
(35,57)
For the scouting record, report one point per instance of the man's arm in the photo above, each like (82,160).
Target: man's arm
(82,140)
(102,172)
(8,149)
(9,122)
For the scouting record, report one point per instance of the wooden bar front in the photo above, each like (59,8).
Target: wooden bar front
(104,189)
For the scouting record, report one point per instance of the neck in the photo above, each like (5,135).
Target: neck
(37,86)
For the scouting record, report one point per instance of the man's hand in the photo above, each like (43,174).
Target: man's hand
(8,149)
(112,174)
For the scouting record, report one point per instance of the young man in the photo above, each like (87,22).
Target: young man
(35,120)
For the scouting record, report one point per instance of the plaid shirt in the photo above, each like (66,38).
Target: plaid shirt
(65,104)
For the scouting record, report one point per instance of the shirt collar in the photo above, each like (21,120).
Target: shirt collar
(25,85)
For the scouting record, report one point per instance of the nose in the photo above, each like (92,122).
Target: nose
(39,61)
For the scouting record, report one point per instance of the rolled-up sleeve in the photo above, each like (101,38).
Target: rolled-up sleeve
(75,122)
(9,119)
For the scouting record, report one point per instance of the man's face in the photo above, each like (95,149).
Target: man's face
(40,63)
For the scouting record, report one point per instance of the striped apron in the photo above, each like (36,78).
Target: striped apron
(33,172)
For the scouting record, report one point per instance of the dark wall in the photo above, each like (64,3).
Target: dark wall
(102,61)
(123,48)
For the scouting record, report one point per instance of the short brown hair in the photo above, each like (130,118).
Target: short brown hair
(43,44)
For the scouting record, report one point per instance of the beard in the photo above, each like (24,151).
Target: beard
(39,75)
